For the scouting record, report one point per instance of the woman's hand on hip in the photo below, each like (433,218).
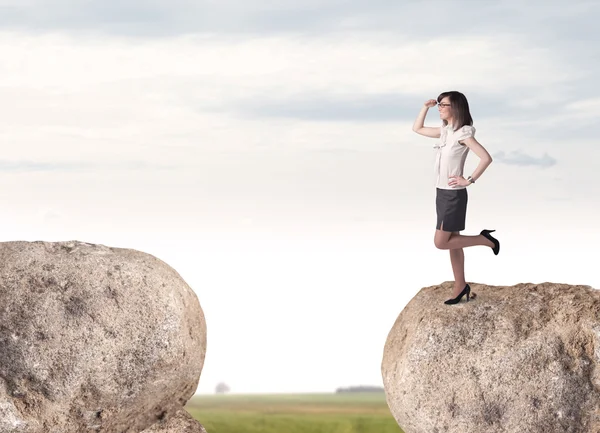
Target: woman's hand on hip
(458,181)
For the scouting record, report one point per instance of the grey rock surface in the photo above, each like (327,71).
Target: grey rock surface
(181,422)
(524,358)
(94,338)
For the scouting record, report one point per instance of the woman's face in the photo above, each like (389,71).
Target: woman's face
(444,109)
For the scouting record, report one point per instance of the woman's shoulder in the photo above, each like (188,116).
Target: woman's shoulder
(465,132)
(467,129)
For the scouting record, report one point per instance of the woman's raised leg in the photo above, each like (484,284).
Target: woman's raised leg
(449,241)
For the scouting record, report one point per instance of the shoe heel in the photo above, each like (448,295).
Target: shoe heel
(465,291)
(486,234)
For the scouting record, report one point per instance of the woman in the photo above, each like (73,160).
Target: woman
(456,138)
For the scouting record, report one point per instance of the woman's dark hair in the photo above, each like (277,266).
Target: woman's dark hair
(459,108)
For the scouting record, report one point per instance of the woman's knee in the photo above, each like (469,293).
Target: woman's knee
(440,243)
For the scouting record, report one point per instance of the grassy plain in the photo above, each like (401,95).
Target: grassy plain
(294,413)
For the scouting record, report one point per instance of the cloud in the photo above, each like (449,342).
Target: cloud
(584,108)
(377,107)
(352,76)
(97,98)
(36,166)
(109,97)
(157,18)
(323,107)
(521,159)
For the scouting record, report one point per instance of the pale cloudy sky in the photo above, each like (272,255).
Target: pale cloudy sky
(264,150)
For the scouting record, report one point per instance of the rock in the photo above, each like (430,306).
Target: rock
(94,338)
(524,358)
(181,422)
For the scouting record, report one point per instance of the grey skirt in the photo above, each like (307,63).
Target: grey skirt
(451,209)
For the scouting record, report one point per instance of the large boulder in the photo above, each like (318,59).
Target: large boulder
(94,338)
(517,359)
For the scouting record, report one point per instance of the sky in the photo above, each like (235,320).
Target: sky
(264,150)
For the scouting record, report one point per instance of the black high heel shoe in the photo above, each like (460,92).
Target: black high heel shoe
(486,234)
(465,291)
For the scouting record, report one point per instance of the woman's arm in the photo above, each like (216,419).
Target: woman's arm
(484,157)
(418,125)
(484,161)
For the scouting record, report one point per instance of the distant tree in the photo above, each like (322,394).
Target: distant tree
(222,388)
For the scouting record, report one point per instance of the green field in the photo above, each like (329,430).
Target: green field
(294,413)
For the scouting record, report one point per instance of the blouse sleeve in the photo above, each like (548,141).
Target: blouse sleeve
(466,132)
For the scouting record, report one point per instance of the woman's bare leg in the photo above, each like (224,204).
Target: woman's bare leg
(455,242)
(457,259)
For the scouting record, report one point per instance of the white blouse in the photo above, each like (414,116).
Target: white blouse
(451,155)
